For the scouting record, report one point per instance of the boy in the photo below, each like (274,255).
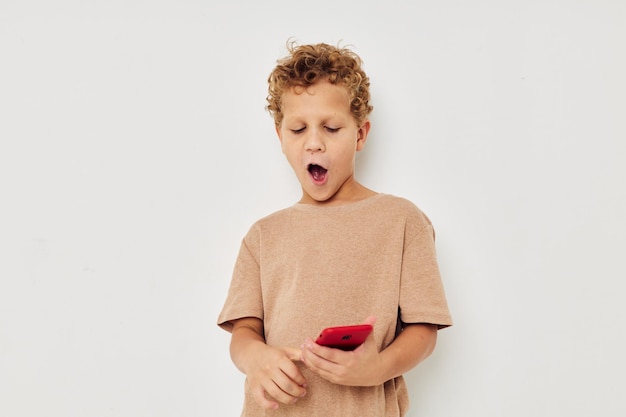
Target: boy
(343,254)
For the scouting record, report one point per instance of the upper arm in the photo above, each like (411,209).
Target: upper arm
(425,329)
(423,333)
(253,324)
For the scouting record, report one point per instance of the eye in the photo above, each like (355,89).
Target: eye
(332,129)
(297,131)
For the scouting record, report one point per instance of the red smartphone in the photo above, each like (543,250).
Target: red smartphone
(344,337)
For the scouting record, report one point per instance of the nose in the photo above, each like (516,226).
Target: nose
(314,141)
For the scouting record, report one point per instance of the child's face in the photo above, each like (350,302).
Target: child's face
(320,138)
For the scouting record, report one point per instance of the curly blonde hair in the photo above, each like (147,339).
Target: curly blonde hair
(307,64)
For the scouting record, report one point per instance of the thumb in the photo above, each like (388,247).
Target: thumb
(370,320)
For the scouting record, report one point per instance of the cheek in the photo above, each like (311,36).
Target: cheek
(348,155)
(292,157)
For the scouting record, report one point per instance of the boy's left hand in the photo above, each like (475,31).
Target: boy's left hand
(360,367)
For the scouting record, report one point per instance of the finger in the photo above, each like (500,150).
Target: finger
(323,352)
(262,400)
(286,383)
(320,358)
(370,320)
(321,366)
(293,353)
(293,372)
(290,387)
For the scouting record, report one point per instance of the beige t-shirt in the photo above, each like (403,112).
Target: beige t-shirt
(308,267)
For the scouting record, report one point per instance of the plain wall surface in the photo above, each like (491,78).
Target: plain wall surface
(135,152)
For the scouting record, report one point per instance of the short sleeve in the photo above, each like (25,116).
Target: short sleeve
(244,297)
(422,296)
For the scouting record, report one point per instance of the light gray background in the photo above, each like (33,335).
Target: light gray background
(135,153)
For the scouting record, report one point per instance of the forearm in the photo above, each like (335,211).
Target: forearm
(412,346)
(247,335)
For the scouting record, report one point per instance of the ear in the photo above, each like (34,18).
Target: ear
(361,135)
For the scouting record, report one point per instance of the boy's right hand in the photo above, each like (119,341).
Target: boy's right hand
(272,375)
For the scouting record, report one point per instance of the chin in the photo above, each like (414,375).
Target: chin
(316,199)
(324,199)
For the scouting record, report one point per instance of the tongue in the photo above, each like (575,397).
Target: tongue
(318,173)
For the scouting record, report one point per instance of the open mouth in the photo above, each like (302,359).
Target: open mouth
(318,173)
